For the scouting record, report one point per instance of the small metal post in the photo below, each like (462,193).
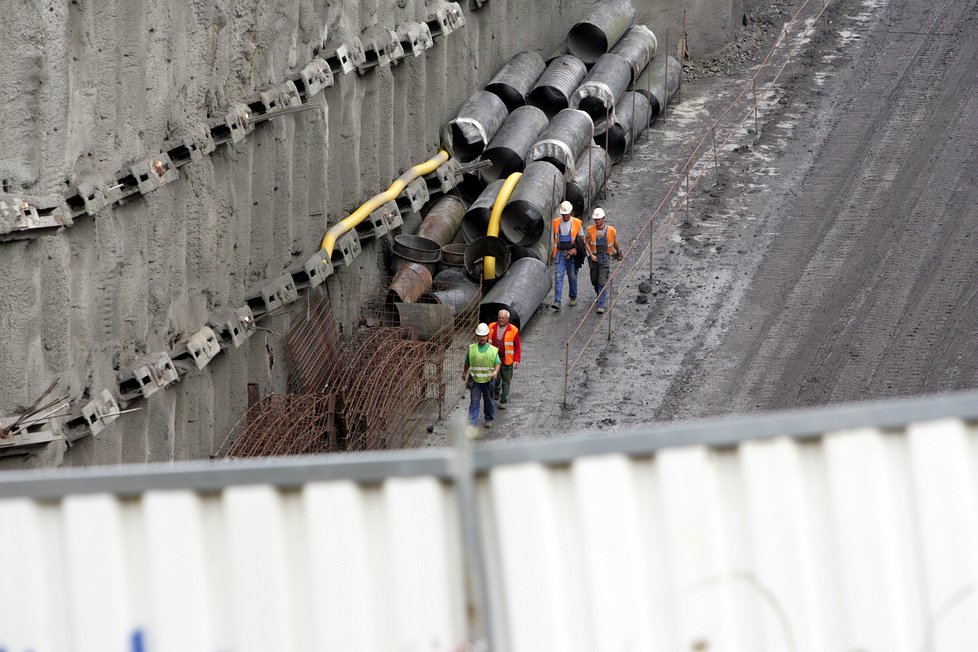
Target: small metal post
(607,299)
(753,83)
(648,82)
(665,82)
(716,163)
(687,193)
(825,14)
(791,63)
(566,370)
(682,55)
(607,129)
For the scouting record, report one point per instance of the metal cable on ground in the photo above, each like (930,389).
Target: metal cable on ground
(684,171)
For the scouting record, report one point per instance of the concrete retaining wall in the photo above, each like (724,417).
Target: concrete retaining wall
(92,86)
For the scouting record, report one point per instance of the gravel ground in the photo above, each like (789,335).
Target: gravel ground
(827,257)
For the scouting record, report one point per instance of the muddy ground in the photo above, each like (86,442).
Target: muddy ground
(833,262)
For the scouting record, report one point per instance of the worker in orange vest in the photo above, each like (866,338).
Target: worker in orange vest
(566,230)
(602,246)
(505,337)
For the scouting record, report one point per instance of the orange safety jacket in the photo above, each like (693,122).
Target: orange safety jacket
(576,226)
(592,236)
(510,350)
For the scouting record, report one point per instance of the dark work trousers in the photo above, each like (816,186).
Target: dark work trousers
(482,392)
(599,277)
(504,382)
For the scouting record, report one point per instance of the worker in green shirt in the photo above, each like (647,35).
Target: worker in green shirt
(479,373)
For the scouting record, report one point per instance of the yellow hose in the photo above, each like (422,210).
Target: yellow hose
(489,262)
(375,202)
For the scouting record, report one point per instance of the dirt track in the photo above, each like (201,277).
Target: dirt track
(834,262)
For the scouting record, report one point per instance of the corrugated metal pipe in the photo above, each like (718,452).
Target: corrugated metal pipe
(411,281)
(660,82)
(477,122)
(520,292)
(508,148)
(533,203)
(637,47)
(514,81)
(604,84)
(553,91)
(563,140)
(631,119)
(456,295)
(591,172)
(350,222)
(597,33)
(475,222)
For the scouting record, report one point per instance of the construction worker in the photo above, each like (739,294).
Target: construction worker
(602,246)
(479,373)
(505,337)
(566,230)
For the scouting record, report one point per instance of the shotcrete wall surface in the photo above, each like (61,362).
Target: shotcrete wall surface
(91,87)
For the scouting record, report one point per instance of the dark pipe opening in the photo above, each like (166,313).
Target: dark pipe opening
(522,223)
(467,145)
(548,99)
(587,42)
(511,97)
(594,107)
(504,163)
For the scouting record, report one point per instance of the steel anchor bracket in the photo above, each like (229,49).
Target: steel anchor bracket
(29,432)
(380,47)
(382,221)
(272,295)
(445,177)
(199,349)
(96,416)
(348,248)
(415,39)
(153,172)
(232,325)
(316,77)
(345,57)
(414,196)
(155,373)
(283,95)
(25,216)
(445,19)
(312,273)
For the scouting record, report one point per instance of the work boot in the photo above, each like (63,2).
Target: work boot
(573,301)
(488,425)
(600,311)
(501,405)
(555,305)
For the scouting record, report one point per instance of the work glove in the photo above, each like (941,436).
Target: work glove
(618,256)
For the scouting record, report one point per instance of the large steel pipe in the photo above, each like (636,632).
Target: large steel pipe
(487,245)
(443,220)
(591,172)
(475,222)
(563,140)
(458,296)
(631,119)
(637,47)
(508,148)
(478,121)
(532,204)
(411,281)
(424,319)
(520,292)
(607,81)
(552,92)
(660,82)
(414,249)
(595,35)
(514,81)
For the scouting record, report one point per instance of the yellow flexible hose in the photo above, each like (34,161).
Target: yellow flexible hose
(375,202)
(489,262)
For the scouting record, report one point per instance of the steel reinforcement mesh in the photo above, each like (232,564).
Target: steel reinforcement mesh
(378,389)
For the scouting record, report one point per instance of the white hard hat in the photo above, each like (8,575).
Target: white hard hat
(566,208)
(598,213)
(481,330)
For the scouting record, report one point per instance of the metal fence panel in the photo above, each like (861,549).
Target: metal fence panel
(857,537)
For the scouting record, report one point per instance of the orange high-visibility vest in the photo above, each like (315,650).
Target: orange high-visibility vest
(508,352)
(592,236)
(576,226)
